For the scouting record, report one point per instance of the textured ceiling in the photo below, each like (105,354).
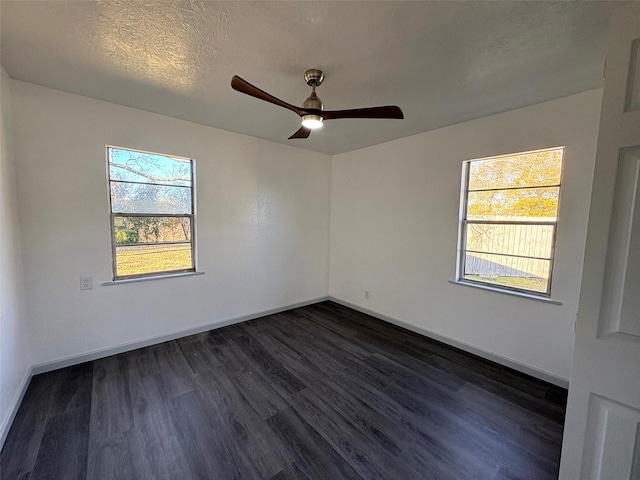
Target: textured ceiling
(441,62)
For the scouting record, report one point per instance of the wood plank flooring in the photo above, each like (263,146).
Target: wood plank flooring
(317,393)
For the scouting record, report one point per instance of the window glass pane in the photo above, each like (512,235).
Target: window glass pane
(148,167)
(152,259)
(527,205)
(151,229)
(521,170)
(527,240)
(521,273)
(136,198)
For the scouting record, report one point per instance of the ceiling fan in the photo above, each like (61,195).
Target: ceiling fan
(312,111)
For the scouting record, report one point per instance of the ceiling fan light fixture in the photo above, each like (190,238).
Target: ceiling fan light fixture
(312,121)
(312,112)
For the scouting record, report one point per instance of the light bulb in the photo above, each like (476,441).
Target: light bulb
(312,121)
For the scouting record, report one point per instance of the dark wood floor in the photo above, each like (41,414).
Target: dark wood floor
(321,392)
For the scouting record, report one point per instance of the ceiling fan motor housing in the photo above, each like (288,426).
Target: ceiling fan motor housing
(313,102)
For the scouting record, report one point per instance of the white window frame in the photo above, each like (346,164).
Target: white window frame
(191,216)
(463,222)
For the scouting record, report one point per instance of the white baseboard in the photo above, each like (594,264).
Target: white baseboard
(494,357)
(7,421)
(126,347)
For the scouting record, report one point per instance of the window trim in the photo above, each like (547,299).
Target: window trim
(463,227)
(191,216)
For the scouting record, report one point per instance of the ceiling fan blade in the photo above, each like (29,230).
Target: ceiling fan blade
(242,86)
(302,132)
(390,111)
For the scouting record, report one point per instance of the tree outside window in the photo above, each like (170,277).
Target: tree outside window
(509,220)
(152,213)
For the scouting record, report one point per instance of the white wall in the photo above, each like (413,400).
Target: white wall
(264,214)
(394,223)
(15,358)
(262,224)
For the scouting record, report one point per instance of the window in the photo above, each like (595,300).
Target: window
(508,220)
(152,213)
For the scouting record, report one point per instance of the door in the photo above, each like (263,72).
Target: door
(602,428)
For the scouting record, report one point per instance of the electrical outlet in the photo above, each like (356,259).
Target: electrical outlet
(367,294)
(86,283)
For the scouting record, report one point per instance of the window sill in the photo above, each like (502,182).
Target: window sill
(507,292)
(147,279)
